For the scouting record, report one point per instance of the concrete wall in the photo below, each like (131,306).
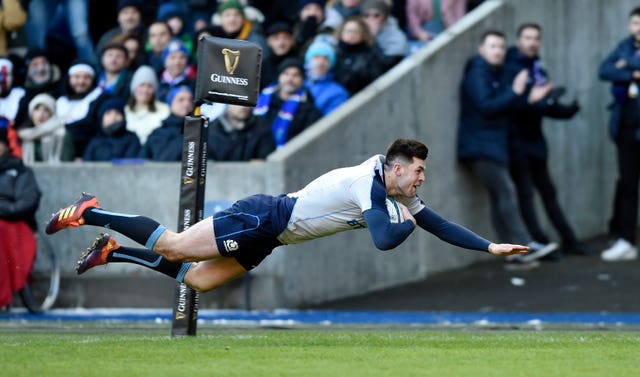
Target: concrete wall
(417,99)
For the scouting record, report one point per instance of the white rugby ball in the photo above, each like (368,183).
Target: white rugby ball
(394,211)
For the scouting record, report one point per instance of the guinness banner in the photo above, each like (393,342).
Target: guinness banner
(228,71)
(192,185)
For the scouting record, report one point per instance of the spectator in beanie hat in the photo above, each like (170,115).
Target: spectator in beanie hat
(234,24)
(282,45)
(144,112)
(43,136)
(327,93)
(113,141)
(177,70)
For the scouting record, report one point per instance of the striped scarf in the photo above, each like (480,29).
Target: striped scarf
(280,125)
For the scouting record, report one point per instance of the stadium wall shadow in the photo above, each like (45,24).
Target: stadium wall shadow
(419,99)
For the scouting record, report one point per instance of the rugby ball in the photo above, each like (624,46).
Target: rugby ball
(394,211)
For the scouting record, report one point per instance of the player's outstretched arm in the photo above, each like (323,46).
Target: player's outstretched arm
(504,249)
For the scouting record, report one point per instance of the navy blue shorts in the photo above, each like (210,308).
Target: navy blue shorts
(248,230)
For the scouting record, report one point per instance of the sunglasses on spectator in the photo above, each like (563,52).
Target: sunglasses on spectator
(372,15)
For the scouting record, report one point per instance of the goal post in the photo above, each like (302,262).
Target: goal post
(228,72)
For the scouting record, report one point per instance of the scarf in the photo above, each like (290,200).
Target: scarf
(280,125)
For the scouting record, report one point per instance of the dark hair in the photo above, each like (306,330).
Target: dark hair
(634,12)
(406,150)
(528,25)
(491,32)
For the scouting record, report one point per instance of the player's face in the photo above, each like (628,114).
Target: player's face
(493,50)
(409,178)
(529,42)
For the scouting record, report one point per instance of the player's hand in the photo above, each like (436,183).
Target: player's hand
(406,214)
(504,249)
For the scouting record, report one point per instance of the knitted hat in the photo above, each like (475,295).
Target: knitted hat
(167,11)
(175,91)
(379,5)
(81,66)
(175,45)
(43,99)
(290,62)
(304,3)
(110,104)
(230,4)
(144,75)
(129,3)
(279,27)
(320,49)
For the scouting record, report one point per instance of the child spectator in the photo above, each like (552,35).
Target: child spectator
(43,138)
(144,113)
(113,141)
(327,93)
(165,142)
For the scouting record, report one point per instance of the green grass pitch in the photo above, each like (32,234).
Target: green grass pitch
(97,351)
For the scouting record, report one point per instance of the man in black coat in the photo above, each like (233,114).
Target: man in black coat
(489,95)
(527,145)
(237,135)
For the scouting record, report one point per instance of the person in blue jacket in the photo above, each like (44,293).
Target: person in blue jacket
(489,95)
(113,140)
(528,147)
(622,68)
(327,93)
(226,245)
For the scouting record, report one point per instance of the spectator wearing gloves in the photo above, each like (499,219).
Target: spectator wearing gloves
(165,142)
(310,23)
(327,93)
(177,70)
(113,141)
(43,137)
(144,112)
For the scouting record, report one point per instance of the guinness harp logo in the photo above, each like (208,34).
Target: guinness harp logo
(230,55)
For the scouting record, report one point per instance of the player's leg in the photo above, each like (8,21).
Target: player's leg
(201,276)
(196,243)
(210,274)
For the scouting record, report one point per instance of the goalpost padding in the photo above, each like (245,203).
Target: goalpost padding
(228,72)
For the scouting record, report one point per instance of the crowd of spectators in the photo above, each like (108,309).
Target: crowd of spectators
(83,80)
